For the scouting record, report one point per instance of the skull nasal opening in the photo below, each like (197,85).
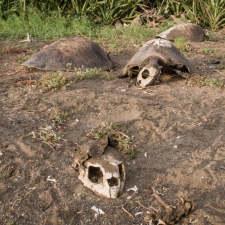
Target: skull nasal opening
(95,174)
(113,182)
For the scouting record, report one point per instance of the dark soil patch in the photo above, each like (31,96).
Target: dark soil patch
(179,130)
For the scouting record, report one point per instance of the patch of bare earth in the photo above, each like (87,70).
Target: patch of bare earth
(179,130)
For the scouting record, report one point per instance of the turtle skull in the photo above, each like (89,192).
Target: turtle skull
(147,75)
(105,175)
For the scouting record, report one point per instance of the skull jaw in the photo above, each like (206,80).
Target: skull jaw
(147,75)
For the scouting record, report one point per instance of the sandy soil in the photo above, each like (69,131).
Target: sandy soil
(179,130)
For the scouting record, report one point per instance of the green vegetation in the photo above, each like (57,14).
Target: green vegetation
(208,13)
(54,81)
(120,135)
(48,136)
(207,51)
(106,11)
(81,74)
(54,19)
(211,82)
(203,81)
(180,43)
(60,117)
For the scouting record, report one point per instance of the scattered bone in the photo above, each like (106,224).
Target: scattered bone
(138,213)
(133,189)
(27,39)
(98,211)
(172,214)
(51,179)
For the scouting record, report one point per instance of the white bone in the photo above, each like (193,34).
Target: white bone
(147,76)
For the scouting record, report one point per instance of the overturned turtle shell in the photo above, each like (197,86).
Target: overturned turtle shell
(70,53)
(155,57)
(189,31)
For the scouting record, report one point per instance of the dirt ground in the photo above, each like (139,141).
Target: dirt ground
(179,130)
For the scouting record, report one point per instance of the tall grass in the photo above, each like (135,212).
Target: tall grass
(100,11)
(51,27)
(54,27)
(208,13)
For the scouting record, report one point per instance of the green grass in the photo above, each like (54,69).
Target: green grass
(55,27)
(52,27)
(48,136)
(61,117)
(120,134)
(54,81)
(180,43)
(203,81)
(81,74)
(207,51)
(212,82)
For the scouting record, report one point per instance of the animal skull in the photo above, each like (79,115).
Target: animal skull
(104,173)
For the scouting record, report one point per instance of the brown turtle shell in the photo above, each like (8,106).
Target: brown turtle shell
(164,55)
(189,31)
(70,53)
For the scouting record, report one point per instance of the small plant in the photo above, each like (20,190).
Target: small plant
(88,73)
(48,136)
(212,82)
(212,37)
(61,117)
(54,81)
(203,81)
(221,67)
(180,43)
(207,51)
(125,144)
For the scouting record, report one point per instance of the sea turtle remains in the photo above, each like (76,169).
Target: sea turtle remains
(155,57)
(101,168)
(189,31)
(70,53)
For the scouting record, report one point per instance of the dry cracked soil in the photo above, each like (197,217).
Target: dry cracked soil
(178,126)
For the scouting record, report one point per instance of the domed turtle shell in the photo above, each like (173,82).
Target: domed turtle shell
(155,57)
(189,31)
(70,53)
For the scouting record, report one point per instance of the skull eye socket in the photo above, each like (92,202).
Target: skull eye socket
(95,174)
(145,74)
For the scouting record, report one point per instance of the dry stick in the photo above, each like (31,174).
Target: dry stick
(219,72)
(157,197)
(21,198)
(127,203)
(149,208)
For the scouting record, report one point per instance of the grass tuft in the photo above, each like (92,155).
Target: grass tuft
(54,81)
(120,135)
(92,73)
(60,117)
(180,43)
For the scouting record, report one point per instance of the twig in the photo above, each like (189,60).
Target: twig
(219,72)
(127,203)
(127,212)
(149,208)
(21,198)
(157,197)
